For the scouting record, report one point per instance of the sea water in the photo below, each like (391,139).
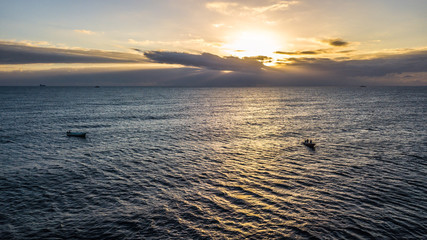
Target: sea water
(213,163)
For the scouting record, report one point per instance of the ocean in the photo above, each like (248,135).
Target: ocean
(213,163)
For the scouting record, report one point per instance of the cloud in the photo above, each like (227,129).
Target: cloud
(398,68)
(259,58)
(16,53)
(181,77)
(336,42)
(315,52)
(279,5)
(399,79)
(188,43)
(247,9)
(83,31)
(309,52)
(205,60)
(412,61)
(226,8)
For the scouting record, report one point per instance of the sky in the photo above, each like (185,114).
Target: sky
(213,43)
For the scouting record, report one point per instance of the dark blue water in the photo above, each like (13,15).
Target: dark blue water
(213,163)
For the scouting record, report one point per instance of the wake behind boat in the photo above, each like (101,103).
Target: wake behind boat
(76,134)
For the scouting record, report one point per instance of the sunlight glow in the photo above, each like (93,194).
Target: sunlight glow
(253,43)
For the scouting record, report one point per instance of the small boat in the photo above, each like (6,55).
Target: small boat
(309,144)
(42,85)
(76,134)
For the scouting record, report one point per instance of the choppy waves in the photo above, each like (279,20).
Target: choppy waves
(213,163)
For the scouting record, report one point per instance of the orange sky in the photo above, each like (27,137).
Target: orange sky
(356,41)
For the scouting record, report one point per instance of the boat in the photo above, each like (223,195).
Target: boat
(309,144)
(42,85)
(76,134)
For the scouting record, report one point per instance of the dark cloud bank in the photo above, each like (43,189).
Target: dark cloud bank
(211,70)
(11,53)
(206,60)
(304,71)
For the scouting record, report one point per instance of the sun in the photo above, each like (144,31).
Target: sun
(252,43)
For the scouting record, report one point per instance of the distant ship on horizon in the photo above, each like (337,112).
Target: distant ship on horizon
(42,85)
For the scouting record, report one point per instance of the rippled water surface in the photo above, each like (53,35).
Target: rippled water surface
(213,163)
